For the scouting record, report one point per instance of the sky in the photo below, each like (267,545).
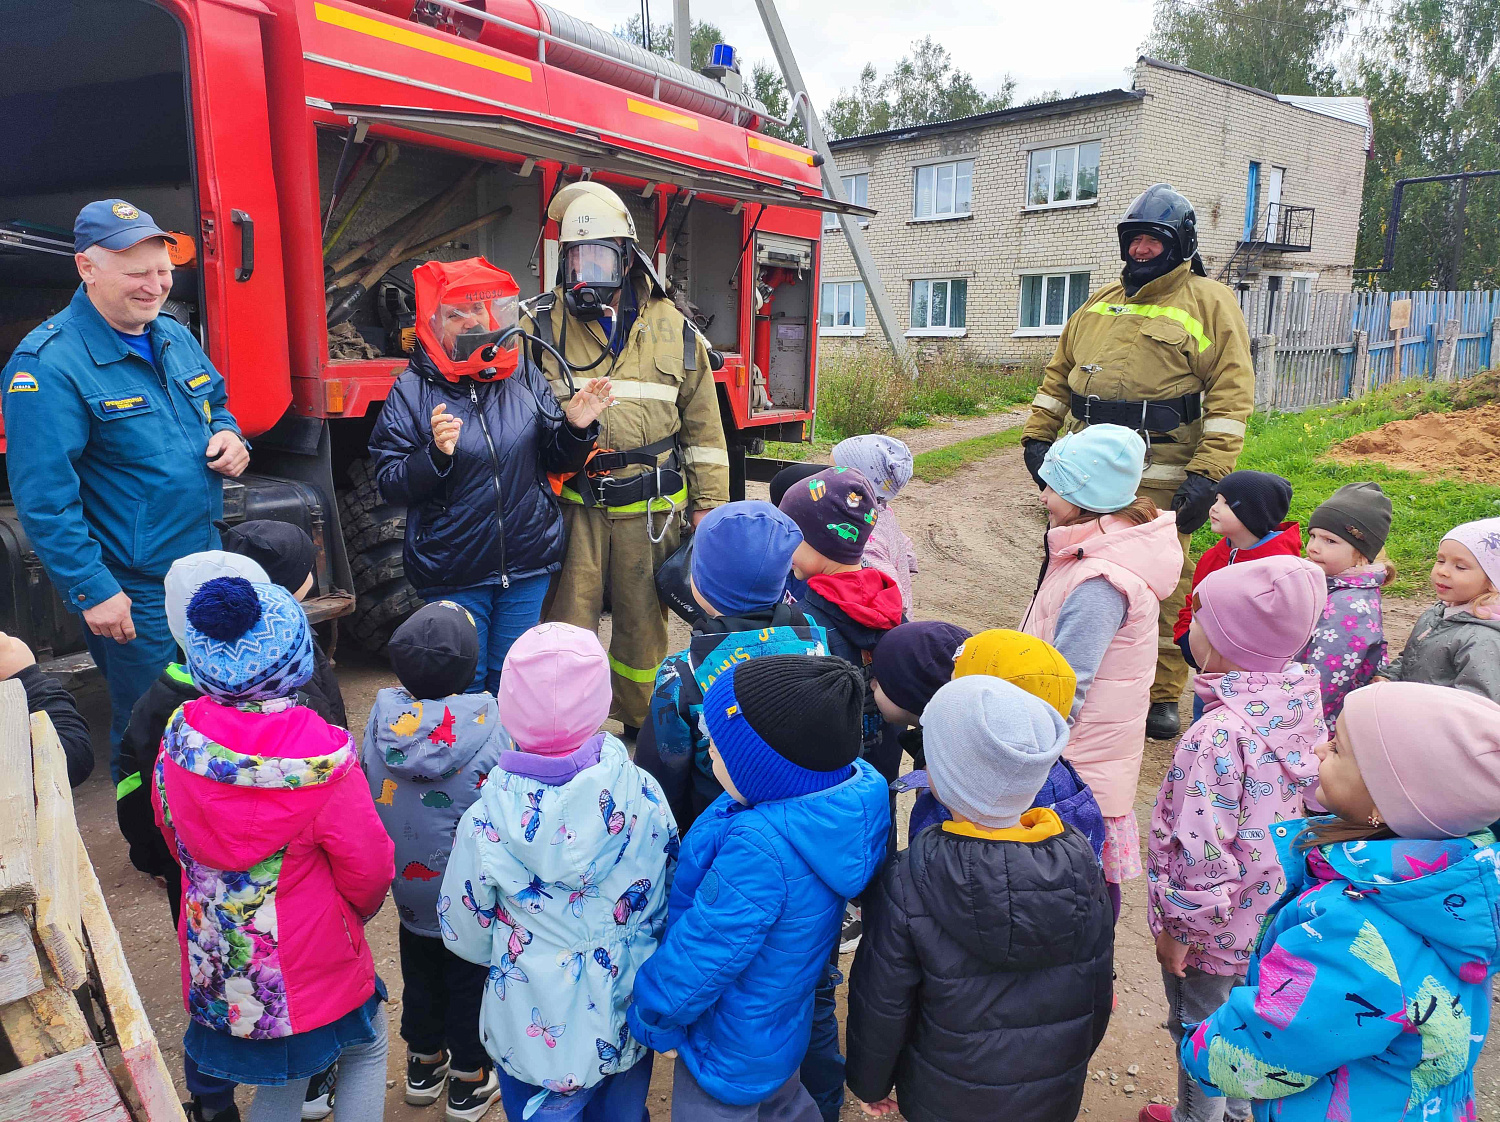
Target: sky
(1069,45)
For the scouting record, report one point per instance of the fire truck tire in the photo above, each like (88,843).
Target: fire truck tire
(374,531)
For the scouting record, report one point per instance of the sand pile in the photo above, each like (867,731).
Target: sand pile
(1464,444)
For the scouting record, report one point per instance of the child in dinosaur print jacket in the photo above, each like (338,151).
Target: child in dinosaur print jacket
(1244,765)
(1369,993)
(428,749)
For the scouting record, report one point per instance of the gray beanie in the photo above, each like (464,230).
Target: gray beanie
(1360,513)
(989,746)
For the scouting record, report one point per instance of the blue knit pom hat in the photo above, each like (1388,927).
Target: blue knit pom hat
(786,725)
(247,642)
(1097,469)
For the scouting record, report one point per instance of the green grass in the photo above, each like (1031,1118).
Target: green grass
(940,463)
(1293,445)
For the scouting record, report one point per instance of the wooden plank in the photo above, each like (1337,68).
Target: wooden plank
(20,970)
(17,801)
(150,1082)
(74,1087)
(58,926)
(46,1024)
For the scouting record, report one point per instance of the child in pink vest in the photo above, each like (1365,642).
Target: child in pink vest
(1111,559)
(1211,864)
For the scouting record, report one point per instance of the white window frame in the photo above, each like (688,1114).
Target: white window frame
(851,331)
(936,168)
(913,332)
(1051,151)
(1045,329)
(830,219)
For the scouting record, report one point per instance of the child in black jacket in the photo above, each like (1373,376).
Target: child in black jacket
(983,983)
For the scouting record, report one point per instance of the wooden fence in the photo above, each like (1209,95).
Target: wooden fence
(1312,348)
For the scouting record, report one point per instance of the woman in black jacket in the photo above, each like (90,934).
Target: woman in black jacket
(465,440)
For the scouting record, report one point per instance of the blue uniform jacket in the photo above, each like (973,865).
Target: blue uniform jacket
(105,450)
(755,909)
(1369,993)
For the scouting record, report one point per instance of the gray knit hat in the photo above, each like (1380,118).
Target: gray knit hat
(989,746)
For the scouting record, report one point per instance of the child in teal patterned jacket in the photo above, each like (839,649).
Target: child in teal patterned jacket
(1369,995)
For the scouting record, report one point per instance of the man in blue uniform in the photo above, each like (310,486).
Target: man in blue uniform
(117,431)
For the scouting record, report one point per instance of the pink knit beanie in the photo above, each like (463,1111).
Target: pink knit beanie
(554,689)
(1430,756)
(1482,539)
(1260,614)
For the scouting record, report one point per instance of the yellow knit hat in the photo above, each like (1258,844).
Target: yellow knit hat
(1023,660)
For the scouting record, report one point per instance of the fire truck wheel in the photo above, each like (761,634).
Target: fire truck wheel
(374,530)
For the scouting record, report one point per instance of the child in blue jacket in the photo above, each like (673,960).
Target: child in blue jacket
(760,889)
(742,554)
(1369,994)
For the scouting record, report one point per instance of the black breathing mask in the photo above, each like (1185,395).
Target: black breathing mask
(592,273)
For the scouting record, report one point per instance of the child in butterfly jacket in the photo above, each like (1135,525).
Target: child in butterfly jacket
(558,883)
(760,891)
(1245,764)
(742,553)
(428,749)
(1369,993)
(836,512)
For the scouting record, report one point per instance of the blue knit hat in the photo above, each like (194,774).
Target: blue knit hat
(786,725)
(742,553)
(247,642)
(1097,469)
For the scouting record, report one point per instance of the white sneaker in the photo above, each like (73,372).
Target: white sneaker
(854,929)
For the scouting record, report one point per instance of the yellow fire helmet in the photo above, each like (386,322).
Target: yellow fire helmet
(590,212)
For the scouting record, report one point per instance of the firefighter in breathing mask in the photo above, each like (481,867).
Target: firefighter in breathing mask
(464,442)
(662,456)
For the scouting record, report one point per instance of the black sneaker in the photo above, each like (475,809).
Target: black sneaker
(854,929)
(319,1101)
(1163,720)
(425,1076)
(194,1112)
(468,1100)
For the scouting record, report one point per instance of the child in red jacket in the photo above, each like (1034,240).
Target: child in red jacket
(1248,517)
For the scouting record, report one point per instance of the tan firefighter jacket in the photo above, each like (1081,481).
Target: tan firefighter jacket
(1179,334)
(662,384)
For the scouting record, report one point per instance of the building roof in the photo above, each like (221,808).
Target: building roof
(999,116)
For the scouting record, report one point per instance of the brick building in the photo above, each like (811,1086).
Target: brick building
(993,228)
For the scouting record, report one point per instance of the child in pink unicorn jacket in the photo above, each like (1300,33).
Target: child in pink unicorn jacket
(283,860)
(1212,870)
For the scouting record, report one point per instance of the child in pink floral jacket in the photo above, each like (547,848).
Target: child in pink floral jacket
(1211,869)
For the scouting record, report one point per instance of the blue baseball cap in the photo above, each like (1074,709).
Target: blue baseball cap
(114,224)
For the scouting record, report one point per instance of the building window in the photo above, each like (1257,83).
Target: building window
(841,310)
(944,190)
(1048,299)
(857,187)
(939,306)
(1069,174)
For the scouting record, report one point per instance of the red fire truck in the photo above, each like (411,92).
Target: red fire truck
(316,151)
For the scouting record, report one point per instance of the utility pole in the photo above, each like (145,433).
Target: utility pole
(682,34)
(833,183)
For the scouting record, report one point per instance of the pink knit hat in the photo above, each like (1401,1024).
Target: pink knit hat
(1260,614)
(1430,756)
(554,689)
(1482,539)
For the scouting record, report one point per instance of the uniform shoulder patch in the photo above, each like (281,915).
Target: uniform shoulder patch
(22,381)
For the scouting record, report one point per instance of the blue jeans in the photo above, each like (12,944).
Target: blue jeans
(130,668)
(620,1097)
(822,1071)
(500,615)
(210,1090)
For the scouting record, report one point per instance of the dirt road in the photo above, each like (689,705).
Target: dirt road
(978,537)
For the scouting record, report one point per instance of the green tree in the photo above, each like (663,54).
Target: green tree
(1284,46)
(767,84)
(1431,72)
(922,88)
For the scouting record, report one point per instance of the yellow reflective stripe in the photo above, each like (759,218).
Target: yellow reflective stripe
(127,785)
(1050,404)
(419,41)
(631,673)
(571,496)
(1151,311)
(1224,424)
(656,112)
(1165,472)
(698,454)
(644,391)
